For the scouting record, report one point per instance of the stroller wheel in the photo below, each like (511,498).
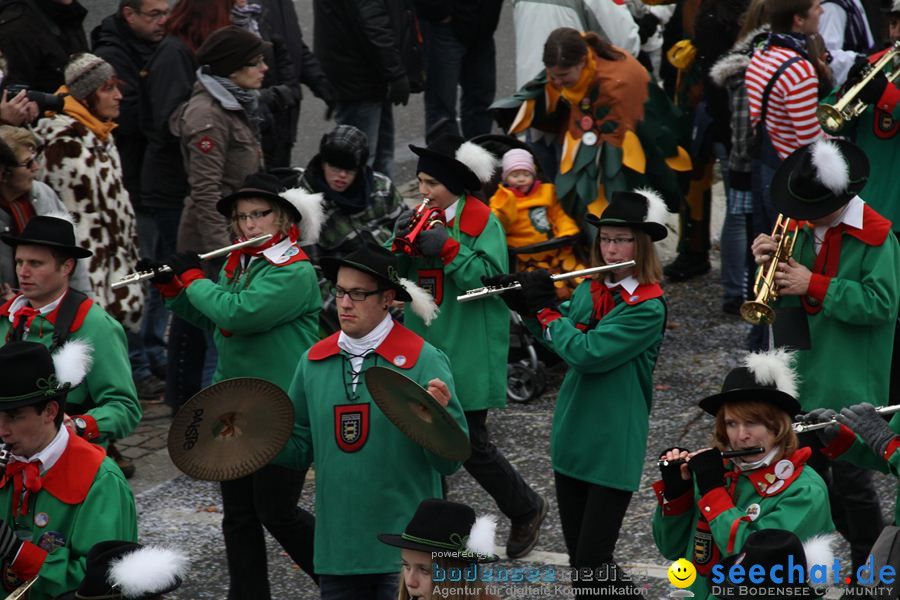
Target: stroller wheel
(524,383)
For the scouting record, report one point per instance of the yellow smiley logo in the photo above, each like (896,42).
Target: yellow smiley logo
(682,573)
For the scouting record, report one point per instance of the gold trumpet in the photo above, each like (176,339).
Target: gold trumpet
(19,592)
(759,310)
(833,117)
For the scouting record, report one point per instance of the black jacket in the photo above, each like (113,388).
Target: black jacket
(114,42)
(37,37)
(473,21)
(171,74)
(356,42)
(283,24)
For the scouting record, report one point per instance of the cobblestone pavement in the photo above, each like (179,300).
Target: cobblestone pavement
(701,345)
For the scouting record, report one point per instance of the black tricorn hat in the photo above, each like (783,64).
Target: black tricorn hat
(29,373)
(447,527)
(373,259)
(260,185)
(818,179)
(765,377)
(639,209)
(767,548)
(52,232)
(111,565)
(439,160)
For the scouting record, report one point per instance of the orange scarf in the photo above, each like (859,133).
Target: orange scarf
(80,113)
(575,93)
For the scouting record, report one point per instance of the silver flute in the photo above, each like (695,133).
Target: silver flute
(484,292)
(142,275)
(803,427)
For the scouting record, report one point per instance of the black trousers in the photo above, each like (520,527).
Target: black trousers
(267,498)
(591,517)
(492,471)
(855,509)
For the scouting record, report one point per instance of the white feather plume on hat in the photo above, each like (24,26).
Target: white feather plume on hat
(895,6)
(423,303)
(72,362)
(61,214)
(312,213)
(774,367)
(832,170)
(818,550)
(480,161)
(148,570)
(481,537)
(657,209)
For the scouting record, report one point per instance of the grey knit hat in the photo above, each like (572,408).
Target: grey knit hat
(85,73)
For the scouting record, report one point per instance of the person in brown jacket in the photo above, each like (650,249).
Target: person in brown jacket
(219,131)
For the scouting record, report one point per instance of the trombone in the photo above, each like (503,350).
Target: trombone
(142,275)
(485,292)
(833,117)
(759,310)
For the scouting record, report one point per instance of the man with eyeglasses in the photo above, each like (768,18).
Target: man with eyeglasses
(369,475)
(37,37)
(127,40)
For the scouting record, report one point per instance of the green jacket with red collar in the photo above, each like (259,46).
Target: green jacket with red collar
(603,408)
(876,132)
(705,529)
(107,398)
(854,295)
(475,335)
(84,499)
(263,316)
(370,477)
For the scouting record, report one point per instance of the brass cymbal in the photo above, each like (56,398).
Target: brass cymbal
(231,429)
(419,416)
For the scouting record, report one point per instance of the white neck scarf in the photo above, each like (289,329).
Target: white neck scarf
(359,348)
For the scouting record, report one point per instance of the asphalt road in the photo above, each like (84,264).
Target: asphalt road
(410,119)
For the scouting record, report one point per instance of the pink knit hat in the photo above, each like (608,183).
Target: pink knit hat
(517,159)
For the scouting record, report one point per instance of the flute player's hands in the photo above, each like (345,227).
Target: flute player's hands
(709,469)
(674,472)
(154,266)
(871,427)
(822,415)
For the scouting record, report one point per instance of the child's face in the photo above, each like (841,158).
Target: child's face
(520,179)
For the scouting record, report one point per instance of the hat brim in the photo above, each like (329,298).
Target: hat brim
(330,266)
(469,179)
(225,206)
(35,399)
(73,251)
(785,202)
(784,401)
(656,231)
(398,542)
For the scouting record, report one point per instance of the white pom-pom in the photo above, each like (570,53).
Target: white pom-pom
(774,367)
(149,570)
(818,551)
(831,168)
(423,303)
(481,537)
(312,213)
(480,161)
(72,362)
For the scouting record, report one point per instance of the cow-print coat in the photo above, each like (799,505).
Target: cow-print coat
(86,172)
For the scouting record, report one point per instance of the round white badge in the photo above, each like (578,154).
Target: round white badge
(753,511)
(784,469)
(41,519)
(775,486)
(399,360)
(589,138)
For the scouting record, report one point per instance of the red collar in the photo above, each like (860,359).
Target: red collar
(76,323)
(401,347)
(874,231)
(474,217)
(642,293)
(762,479)
(71,478)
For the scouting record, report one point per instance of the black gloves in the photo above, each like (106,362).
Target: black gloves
(431,241)
(184,261)
(647,26)
(872,91)
(279,97)
(868,425)
(708,470)
(675,486)
(514,299)
(9,542)
(539,291)
(822,415)
(398,91)
(401,225)
(148,264)
(856,71)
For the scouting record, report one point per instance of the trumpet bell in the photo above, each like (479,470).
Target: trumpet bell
(830,117)
(757,313)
